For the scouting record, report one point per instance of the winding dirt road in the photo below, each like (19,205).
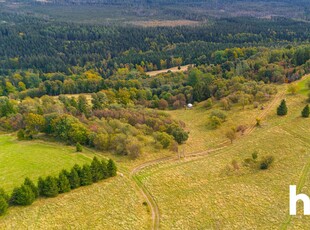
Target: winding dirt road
(144,190)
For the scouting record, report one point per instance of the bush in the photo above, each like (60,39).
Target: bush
(215,122)
(22,196)
(163,138)
(305,112)
(219,114)
(21,135)
(79,147)
(266,162)
(134,150)
(178,133)
(208,103)
(3,206)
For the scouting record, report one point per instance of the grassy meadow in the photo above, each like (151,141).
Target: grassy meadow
(20,159)
(201,194)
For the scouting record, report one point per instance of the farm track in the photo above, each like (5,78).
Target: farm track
(144,190)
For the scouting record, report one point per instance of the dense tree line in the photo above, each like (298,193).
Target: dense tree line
(51,186)
(107,128)
(42,45)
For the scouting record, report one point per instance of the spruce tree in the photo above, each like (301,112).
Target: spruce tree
(112,170)
(34,188)
(41,186)
(22,196)
(86,176)
(74,179)
(78,169)
(282,109)
(50,187)
(104,169)
(305,112)
(63,183)
(95,168)
(3,205)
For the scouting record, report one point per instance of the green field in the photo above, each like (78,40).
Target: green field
(20,159)
(200,194)
(104,204)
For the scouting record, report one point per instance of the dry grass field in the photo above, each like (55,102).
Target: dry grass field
(111,204)
(201,194)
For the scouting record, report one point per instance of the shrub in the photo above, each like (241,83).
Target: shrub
(101,142)
(208,103)
(21,135)
(305,112)
(163,138)
(266,162)
(219,114)
(282,109)
(79,147)
(215,122)
(254,155)
(22,196)
(134,150)
(178,133)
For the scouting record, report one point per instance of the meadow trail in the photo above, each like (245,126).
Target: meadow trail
(144,190)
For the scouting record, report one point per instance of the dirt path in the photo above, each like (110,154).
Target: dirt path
(174,69)
(148,196)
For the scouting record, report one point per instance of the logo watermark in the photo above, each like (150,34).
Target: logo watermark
(294,198)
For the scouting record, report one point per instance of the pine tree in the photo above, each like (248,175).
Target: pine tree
(112,170)
(78,169)
(63,183)
(41,186)
(34,188)
(86,176)
(50,187)
(3,205)
(305,112)
(74,179)
(282,109)
(22,196)
(104,169)
(95,168)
